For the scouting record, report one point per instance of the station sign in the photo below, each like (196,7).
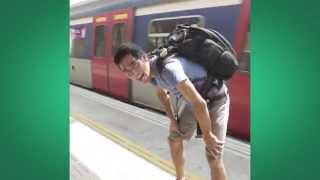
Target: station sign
(120,16)
(101,19)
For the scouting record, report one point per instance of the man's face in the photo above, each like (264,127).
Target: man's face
(136,69)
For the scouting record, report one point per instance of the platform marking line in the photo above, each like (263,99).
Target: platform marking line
(136,149)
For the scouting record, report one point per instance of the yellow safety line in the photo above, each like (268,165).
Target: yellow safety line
(138,150)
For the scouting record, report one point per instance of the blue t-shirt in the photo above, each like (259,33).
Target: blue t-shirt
(177,70)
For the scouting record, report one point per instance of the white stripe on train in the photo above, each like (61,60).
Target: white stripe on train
(183,5)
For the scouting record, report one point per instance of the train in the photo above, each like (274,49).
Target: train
(98,28)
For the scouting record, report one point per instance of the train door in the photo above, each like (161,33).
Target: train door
(101,48)
(239,85)
(120,32)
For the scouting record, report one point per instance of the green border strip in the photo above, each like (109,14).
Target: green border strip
(138,150)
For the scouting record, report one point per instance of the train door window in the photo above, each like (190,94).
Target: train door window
(118,36)
(100,50)
(77,42)
(245,56)
(160,28)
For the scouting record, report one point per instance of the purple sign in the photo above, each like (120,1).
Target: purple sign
(78,32)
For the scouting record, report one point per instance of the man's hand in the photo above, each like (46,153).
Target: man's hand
(213,144)
(173,126)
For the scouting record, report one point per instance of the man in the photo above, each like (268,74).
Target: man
(184,80)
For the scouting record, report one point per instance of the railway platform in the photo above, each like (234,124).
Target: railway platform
(114,140)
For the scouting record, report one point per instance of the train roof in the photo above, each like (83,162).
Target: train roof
(92,8)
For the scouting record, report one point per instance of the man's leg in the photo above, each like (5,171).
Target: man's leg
(176,150)
(186,127)
(219,114)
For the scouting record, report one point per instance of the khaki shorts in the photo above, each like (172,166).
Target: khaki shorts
(219,114)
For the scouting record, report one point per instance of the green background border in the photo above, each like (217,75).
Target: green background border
(34,90)
(285,89)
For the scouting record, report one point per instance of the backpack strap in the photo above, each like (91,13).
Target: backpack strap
(162,61)
(224,41)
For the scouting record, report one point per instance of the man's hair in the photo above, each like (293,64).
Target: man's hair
(126,49)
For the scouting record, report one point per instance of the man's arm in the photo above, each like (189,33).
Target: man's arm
(165,101)
(199,105)
(200,111)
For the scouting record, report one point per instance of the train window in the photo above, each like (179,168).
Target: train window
(118,35)
(160,28)
(99,41)
(245,56)
(77,42)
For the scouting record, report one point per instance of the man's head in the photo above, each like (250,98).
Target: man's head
(133,61)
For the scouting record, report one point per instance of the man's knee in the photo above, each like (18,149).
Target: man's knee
(174,142)
(176,145)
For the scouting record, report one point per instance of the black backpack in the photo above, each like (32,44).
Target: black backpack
(204,46)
